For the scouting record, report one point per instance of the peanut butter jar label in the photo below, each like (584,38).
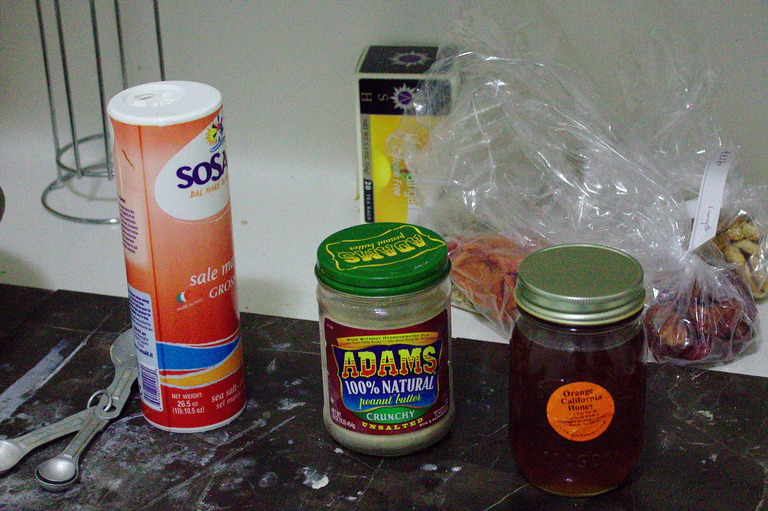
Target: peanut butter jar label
(580,411)
(388,382)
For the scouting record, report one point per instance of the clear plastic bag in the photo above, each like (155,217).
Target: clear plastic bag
(484,273)
(528,152)
(703,313)
(742,238)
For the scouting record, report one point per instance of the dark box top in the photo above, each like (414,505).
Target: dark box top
(397,59)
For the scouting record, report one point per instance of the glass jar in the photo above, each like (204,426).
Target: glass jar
(577,369)
(385,338)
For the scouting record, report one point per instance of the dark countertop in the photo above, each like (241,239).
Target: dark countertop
(706,441)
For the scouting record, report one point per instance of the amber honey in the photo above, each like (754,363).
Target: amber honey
(548,459)
(577,369)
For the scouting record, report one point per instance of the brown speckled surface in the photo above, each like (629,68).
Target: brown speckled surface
(706,442)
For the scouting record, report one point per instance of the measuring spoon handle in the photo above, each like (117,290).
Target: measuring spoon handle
(119,391)
(51,432)
(90,429)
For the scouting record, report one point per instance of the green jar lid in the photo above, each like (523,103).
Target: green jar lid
(382,259)
(580,285)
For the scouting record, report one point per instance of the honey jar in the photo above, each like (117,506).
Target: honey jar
(577,369)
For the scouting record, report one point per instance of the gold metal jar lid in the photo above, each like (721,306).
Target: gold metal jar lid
(580,285)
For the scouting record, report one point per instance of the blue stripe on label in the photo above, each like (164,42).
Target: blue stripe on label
(174,357)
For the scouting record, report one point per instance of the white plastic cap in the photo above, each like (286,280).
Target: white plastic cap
(164,103)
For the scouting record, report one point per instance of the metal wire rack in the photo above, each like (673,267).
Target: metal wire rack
(84,67)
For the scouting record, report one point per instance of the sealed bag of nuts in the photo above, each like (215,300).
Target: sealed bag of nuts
(743,242)
(702,301)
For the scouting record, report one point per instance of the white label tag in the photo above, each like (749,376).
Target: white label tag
(711,196)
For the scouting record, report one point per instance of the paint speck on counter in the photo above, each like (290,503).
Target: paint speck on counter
(268,479)
(314,479)
(289,404)
(429,467)
(272,366)
(231,484)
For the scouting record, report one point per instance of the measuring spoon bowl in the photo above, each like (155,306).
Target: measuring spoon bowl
(12,450)
(10,454)
(123,350)
(61,472)
(58,474)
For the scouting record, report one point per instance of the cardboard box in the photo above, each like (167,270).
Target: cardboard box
(387,78)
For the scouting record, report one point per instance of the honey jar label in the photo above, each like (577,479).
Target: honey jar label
(580,411)
(388,382)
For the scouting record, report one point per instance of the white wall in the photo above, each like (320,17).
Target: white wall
(285,69)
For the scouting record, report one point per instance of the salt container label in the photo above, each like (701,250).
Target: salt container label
(173,188)
(194,183)
(388,382)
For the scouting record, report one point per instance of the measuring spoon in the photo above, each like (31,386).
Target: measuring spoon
(12,450)
(61,472)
